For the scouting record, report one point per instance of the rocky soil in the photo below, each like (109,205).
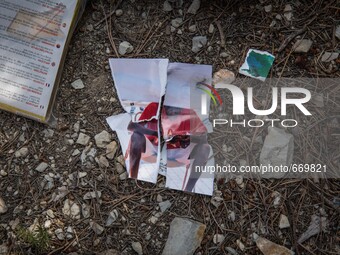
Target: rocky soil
(69,184)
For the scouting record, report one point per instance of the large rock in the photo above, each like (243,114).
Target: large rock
(167,6)
(83,139)
(125,48)
(218,238)
(102,162)
(119,12)
(78,84)
(163,206)
(284,222)
(184,238)
(211,29)
(288,12)
(329,56)
(198,42)
(98,229)
(41,167)
(137,247)
(302,46)
(71,209)
(111,149)
(195,5)
(268,8)
(113,216)
(192,28)
(85,210)
(88,154)
(269,248)
(176,22)
(60,234)
(277,150)
(21,153)
(102,139)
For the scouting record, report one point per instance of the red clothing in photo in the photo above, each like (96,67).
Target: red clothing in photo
(181,122)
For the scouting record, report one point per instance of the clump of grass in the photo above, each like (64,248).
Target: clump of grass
(38,239)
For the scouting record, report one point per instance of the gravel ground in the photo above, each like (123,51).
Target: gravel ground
(78,192)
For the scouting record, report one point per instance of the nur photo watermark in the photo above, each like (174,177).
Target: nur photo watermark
(280,128)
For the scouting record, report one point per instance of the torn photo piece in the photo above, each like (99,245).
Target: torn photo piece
(139,82)
(140,85)
(141,152)
(185,129)
(257,64)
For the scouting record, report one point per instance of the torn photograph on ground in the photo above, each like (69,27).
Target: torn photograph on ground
(257,64)
(140,85)
(185,129)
